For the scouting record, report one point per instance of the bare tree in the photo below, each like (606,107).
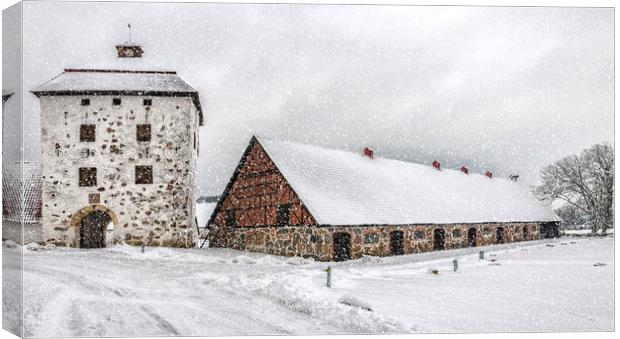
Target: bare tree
(585,181)
(571,215)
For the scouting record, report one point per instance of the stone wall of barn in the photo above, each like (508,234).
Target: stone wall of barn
(317,242)
(161,213)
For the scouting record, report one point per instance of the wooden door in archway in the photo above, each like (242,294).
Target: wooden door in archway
(439,238)
(471,237)
(342,246)
(397,240)
(92,229)
(499,235)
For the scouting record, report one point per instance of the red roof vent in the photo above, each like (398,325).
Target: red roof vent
(489,174)
(436,165)
(368,153)
(464,170)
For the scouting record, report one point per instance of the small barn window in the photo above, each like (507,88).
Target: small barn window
(231,221)
(144,175)
(456,233)
(147,102)
(85,102)
(371,238)
(143,132)
(418,235)
(116,101)
(88,176)
(282,214)
(87,133)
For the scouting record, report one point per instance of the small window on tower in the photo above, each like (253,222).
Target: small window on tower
(88,176)
(87,133)
(282,214)
(147,102)
(85,102)
(144,174)
(143,132)
(116,101)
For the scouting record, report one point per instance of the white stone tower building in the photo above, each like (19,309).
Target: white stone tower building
(119,148)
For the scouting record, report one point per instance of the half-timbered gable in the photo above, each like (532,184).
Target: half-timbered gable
(258,195)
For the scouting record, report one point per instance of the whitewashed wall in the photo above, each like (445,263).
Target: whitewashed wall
(161,213)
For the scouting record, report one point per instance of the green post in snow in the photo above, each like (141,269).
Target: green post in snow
(329,276)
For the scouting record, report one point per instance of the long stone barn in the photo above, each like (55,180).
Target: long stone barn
(294,199)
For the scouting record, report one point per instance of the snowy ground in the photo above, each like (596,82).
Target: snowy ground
(15,231)
(538,286)
(585,232)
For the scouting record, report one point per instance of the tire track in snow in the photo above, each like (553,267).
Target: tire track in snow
(93,280)
(73,322)
(161,322)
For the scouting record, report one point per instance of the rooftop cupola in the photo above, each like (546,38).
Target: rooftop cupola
(129,49)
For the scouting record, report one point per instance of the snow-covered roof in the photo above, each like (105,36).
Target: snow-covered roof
(85,81)
(74,80)
(345,188)
(128,43)
(125,64)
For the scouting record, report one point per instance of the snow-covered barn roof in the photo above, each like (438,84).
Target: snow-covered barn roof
(345,188)
(90,81)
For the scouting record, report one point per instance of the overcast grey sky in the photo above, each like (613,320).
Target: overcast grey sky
(505,89)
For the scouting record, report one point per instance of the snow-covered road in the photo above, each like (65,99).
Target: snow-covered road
(118,291)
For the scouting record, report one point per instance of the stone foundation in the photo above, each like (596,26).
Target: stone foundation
(316,241)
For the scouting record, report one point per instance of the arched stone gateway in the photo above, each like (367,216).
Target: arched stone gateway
(90,223)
